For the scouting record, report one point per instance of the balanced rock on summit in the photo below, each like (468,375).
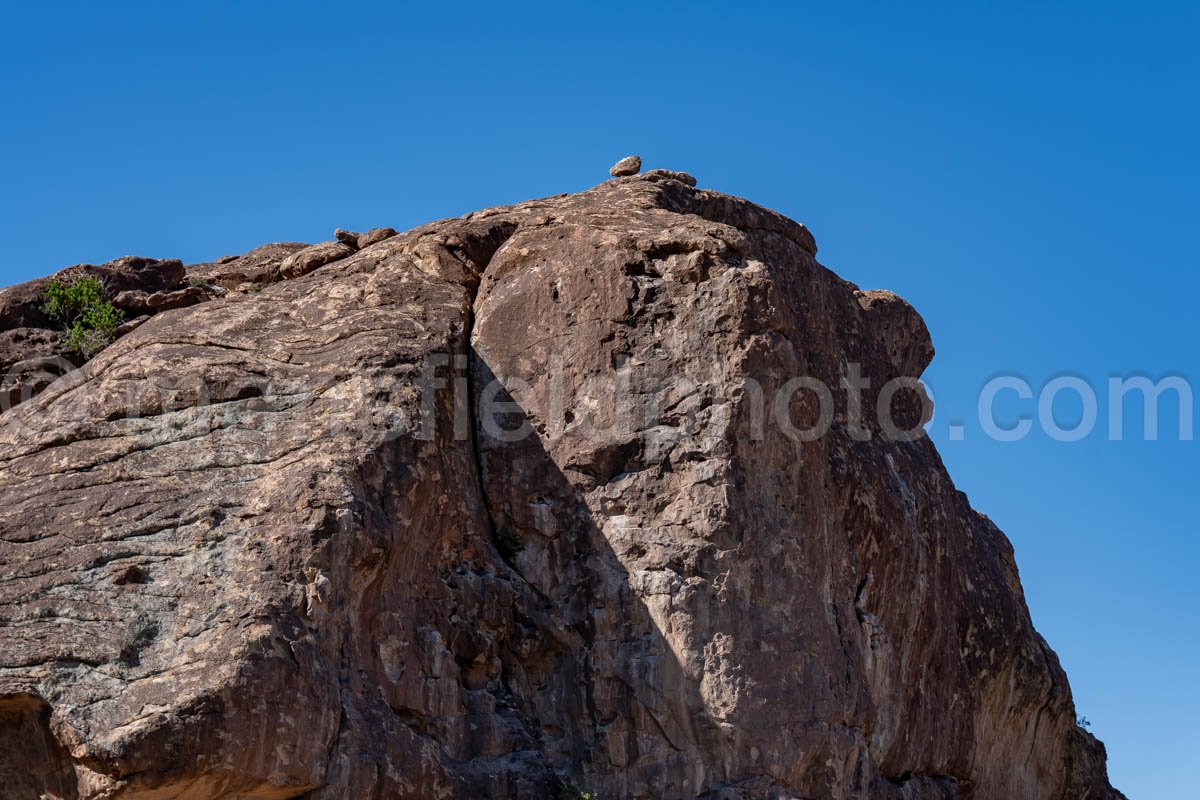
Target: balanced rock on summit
(274,544)
(629,165)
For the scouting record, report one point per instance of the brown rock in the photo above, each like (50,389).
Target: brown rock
(21,305)
(346,237)
(31,345)
(132,324)
(629,165)
(310,258)
(142,303)
(30,360)
(288,565)
(260,265)
(374,236)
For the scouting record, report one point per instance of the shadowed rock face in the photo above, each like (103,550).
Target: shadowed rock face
(277,544)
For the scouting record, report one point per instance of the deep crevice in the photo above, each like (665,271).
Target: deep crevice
(470,400)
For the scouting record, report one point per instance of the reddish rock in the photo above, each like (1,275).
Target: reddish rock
(21,305)
(310,258)
(31,345)
(250,550)
(629,165)
(260,266)
(374,236)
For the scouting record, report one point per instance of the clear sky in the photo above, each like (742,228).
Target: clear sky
(1025,177)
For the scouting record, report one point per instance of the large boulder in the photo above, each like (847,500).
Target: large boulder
(511,506)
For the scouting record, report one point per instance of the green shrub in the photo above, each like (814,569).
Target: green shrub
(91,321)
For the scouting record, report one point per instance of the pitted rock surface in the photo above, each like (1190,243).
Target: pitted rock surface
(275,544)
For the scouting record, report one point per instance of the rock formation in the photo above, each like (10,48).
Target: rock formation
(629,165)
(31,351)
(290,540)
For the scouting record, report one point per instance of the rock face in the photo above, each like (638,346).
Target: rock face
(292,542)
(32,354)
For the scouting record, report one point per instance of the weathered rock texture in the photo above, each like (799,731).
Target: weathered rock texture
(32,352)
(248,551)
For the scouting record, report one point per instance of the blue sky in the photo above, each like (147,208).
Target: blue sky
(1025,177)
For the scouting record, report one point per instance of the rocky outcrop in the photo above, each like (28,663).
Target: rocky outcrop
(32,351)
(247,272)
(528,503)
(32,347)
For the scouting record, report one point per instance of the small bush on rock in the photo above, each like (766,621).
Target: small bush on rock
(91,321)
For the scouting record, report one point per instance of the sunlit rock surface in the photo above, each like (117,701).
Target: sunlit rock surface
(278,543)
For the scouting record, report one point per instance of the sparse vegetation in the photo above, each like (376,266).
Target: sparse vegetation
(1083,722)
(90,321)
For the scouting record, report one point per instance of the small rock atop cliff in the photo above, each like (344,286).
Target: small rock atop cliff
(629,165)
